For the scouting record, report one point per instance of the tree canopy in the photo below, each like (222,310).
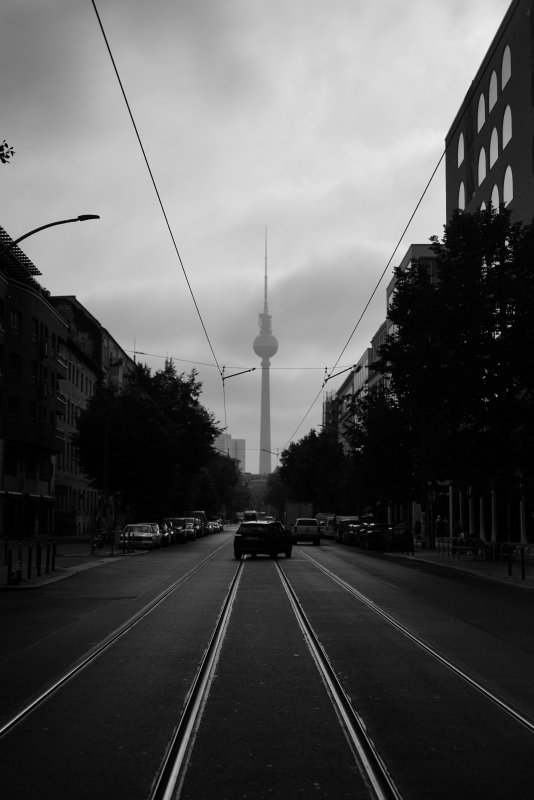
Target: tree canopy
(316,469)
(6,152)
(152,442)
(459,358)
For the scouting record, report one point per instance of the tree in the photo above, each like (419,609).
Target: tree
(220,487)
(313,469)
(276,493)
(457,360)
(381,452)
(149,442)
(6,152)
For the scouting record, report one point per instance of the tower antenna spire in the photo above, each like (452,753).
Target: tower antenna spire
(265,308)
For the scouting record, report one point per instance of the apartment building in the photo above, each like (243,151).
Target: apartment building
(32,368)
(92,354)
(490,144)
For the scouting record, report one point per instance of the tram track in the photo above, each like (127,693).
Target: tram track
(371,766)
(167,782)
(102,647)
(485,691)
(169,777)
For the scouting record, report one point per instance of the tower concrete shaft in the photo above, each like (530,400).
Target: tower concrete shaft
(265,346)
(265,421)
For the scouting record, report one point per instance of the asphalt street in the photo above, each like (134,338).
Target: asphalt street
(268,728)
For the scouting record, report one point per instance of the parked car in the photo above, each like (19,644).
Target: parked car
(191,528)
(139,535)
(306,529)
(262,538)
(176,524)
(375,536)
(348,531)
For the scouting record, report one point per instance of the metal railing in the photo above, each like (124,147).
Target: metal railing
(516,555)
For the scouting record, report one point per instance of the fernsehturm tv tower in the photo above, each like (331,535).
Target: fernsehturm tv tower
(265,346)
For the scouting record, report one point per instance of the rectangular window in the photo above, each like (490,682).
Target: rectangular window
(15,323)
(15,366)
(35,330)
(13,409)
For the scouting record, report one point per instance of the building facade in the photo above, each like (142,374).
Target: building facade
(489,160)
(490,145)
(32,371)
(52,353)
(233,448)
(92,355)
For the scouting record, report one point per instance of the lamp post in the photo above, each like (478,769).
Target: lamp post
(80,218)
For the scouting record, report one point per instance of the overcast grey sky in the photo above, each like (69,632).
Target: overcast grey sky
(321,120)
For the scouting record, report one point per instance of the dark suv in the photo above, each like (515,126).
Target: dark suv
(265,538)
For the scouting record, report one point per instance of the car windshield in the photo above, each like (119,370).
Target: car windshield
(138,529)
(306,522)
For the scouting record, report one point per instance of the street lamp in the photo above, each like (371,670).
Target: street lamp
(80,218)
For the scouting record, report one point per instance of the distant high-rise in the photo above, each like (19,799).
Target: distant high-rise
(234,448)
(265,346)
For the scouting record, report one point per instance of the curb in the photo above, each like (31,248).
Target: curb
(506,580)
(62,573)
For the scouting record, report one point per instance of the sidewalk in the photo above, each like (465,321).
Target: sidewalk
(71,557)
(496,571)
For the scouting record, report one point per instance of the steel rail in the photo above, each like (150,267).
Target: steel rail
(475,684)
(372,768)
(101,648)
(170,777)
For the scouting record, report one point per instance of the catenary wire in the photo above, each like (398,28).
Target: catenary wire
(414,212)
(180,258)
(327,377)
(206,364)
(162,207)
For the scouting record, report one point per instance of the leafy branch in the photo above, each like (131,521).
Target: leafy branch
(6,152)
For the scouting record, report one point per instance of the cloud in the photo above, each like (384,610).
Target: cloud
(321,121)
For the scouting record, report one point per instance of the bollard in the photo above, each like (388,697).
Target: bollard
(523,563)
(510,561)
(38,558)
(9,562)
(6,549)
(47,568)
(29,573)
(19,562)
(54,551)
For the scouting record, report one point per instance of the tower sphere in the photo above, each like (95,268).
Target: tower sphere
(265,345)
